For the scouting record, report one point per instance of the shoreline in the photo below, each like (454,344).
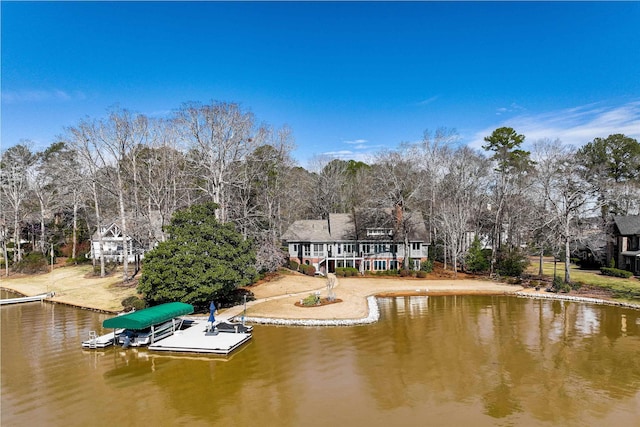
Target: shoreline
(276,299)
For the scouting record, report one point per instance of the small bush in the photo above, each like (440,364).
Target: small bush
(426,266)
(406,273)
(133,302)
(346,271)
(309,270)
(293,265)
(512,263)
(312,299)
(34,262)
(616,272)
(421,274)
(559,285)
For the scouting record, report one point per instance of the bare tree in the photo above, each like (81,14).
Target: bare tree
(220,134)
(567,193)
(16,162)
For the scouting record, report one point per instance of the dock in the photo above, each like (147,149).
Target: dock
(195,339)
(34,298)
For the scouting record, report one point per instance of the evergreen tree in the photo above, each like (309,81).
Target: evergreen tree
(202,260)
(476,260)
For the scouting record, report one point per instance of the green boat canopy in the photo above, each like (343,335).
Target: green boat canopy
(149,316)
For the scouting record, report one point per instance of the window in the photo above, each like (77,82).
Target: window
(295,247)
(348,247)
(379,232)
(380,247)
(393,265)
(379,265)
(415,246)
(307,249)
(366,248)
(318,249)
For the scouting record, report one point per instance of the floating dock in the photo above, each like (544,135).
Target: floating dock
(26,299)
(196,339)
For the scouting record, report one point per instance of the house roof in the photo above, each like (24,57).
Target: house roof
(628,225)
(307,230)
(341,227)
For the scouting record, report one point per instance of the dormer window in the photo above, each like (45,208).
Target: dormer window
(371,232)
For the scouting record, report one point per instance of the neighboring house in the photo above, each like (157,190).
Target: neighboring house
(113,245)
(626,243)
(367,240)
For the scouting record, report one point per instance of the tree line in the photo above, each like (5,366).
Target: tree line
(140,170)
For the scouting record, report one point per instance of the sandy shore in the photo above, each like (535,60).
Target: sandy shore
(277,299)
(274,299)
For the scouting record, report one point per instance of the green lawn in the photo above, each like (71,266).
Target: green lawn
(622,289)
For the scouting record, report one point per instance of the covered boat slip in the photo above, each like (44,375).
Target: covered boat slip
(162,329)
(142,327)
(148,317)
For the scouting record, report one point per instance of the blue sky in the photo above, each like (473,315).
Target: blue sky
(349,78)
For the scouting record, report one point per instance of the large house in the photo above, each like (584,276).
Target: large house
(626,244)
(368,240)
(113,244)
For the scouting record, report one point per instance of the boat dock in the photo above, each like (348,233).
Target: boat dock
(196,339)
(34,298)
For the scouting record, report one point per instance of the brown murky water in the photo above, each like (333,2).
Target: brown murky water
(449,361)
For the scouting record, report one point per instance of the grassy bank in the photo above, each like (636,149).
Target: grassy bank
(619,288)
(75,285)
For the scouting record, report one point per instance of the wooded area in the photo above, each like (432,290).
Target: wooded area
(138,170)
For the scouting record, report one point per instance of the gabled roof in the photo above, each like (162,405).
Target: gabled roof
(341,227)
(628,225)
(308,230)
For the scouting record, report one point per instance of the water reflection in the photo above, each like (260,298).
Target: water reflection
(449,360)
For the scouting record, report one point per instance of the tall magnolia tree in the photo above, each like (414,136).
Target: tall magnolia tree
(202,259)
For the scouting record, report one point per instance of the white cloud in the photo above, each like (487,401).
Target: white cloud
(427,101)
(576,126)
(30,96)
(510,109)
(356,141)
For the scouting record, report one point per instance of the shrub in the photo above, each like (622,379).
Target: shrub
(34,262)
(293,265)
(512,263)
(312,299)
(559,285)
(426,266)
(133,302)
(421,274)
(309,270)
(406,273)
(346,271)
(616,272)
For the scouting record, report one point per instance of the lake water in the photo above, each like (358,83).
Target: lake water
(465,360)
